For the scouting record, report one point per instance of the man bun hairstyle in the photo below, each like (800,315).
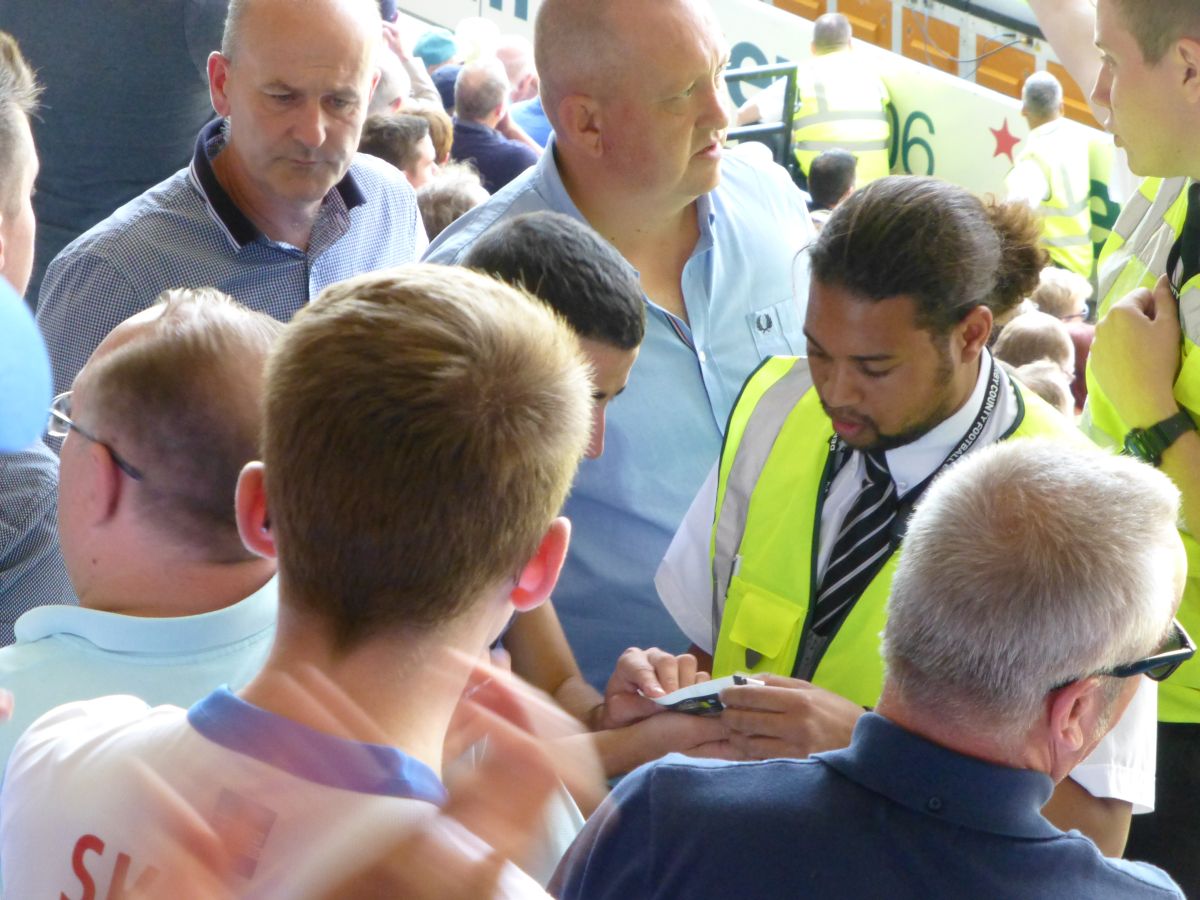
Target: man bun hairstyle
(933,241)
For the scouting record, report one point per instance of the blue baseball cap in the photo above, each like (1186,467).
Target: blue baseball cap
(435,47)
(25,384)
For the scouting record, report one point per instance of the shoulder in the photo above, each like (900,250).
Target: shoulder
(28,483)
(762,185)
(1153,881)
(519,196)
(374,174)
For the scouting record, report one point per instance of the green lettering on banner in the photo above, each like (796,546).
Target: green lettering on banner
(909,142)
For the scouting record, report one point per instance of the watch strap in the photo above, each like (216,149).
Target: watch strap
(1151,443)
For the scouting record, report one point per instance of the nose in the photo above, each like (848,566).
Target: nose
(596,443)
(717,113)
(1102,89)
(309,126)
(840,387)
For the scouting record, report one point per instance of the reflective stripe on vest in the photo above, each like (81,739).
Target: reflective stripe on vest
(841,108)
(1066,213)
(1135,257)
(767,525)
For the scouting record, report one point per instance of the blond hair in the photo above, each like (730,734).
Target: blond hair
(423,426)
(19,93)
(1060,293)
(1035,335)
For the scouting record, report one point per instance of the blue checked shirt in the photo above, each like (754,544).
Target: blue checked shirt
(31,566)
(187,232)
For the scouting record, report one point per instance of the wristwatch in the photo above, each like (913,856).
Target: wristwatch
(1149,444)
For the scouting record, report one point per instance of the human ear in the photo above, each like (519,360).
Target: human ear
(250,504)
(218,73)
(537,579)
(1188,53)
(974,331)
(1073,714)
(579,116)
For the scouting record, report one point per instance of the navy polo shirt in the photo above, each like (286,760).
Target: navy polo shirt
(891,816)
(498,159)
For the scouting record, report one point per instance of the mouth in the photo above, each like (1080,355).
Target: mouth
(847,425)
(711,150)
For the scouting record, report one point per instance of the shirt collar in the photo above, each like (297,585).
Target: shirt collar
(120,633)
(916,461)
(231,722)
(933,780)
(237,225)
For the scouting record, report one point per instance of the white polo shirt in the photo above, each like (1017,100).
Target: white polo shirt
(301,809)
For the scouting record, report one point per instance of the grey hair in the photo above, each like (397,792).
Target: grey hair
(1029,564)
(480,87)
(831,32)
(1042,95)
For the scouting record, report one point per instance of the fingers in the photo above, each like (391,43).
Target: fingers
(1165,305)
(653,672)
(749,721)
(768,697)
(760,747)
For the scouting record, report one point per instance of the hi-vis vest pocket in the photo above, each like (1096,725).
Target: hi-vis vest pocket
(765,630)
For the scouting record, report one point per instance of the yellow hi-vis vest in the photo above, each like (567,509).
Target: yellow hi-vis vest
(772,478)
(1135,256)
(1063,156)
(839,106)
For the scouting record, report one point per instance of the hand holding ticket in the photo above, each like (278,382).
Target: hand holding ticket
(704,697)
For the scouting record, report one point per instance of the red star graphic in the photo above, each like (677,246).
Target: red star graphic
(1004,141)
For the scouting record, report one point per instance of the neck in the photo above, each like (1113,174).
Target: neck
(392,689)
(289,223)
(974,739)
(161,588)
(636,224)
(1038,122)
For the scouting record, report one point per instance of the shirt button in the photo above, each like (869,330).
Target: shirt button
(702,355)
(902,485)
(934,804)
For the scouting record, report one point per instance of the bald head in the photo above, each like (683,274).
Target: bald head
(831,32)
(583,46)
(516,53)
(363,12)
(480,89)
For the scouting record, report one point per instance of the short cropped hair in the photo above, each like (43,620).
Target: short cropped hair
(235,14)
(1042,95)
(423,425)
(1027,565)
(481,86)
(186,401)
(394,138)
(1157,24)
(830,176)
(934,241)
(576,48)
(441,127)
(1048,381)
(19,93)
(454,191)
(567,265)
(1061,293)
(1033,336)
(831,32)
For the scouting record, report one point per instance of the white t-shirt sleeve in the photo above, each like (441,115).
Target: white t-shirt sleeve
(770,101)
(684,577)
(1122,765)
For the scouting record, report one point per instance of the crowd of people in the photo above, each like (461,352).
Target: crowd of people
(459,400)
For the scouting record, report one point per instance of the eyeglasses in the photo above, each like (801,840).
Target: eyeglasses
(1175,651)
(60,423)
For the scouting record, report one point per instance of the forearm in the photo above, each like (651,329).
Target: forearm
(422,84)
(1069,26)
(1181,462)
(1103,819)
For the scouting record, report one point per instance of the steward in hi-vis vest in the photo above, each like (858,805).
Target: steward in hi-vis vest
(784,561)
(840,103)
(1052,173)
(1145,243)
(777,465)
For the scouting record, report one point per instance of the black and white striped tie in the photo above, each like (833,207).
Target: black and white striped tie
(861,548)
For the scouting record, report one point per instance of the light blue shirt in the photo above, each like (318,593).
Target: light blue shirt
(67,653)
(532,119)
(745,291)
